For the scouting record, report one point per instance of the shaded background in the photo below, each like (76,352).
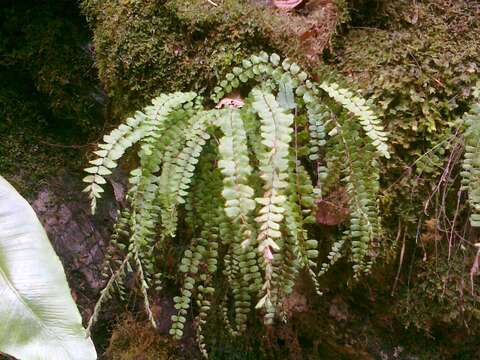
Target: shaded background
(69,71)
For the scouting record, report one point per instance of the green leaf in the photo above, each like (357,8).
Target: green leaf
(38,317)
(274,59)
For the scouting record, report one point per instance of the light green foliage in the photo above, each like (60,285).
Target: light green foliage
(361,179)
(235,168)
(240,183)
(38,317)
(333,256)
(179,177)
(318,116)
(298,213)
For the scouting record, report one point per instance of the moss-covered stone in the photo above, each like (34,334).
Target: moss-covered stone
(420,67)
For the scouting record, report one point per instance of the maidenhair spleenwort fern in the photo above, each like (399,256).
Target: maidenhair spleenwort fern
(243,184)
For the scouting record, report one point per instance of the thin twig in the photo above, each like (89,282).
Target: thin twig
(400,261)
(474,270)
(407,172)
(65,146)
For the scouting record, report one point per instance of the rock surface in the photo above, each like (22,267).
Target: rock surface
(78,237)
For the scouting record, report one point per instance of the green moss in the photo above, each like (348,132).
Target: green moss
(441,296)
(45,58)
(144,48)
(31,150)
(48,93)
(420,67)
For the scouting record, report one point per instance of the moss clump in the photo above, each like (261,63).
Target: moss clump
(442,295)
(133,339)
(147,47)
(420,67)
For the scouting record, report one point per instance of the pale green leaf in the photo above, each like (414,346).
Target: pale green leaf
(38,318)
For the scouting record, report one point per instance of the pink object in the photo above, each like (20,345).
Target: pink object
(237,103)
(267,254)
(287,4)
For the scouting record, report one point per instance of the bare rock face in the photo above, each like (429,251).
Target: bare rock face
(78,237)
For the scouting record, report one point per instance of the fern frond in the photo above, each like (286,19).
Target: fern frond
(357,106)
(333,256)
(361,177)
(120,229)
(276,136)
(178,170)
(144,287)
(106,292)
(144,194)
(298,213)
(205,290)
(471,162)
(115,144)
(235,167)
(318,116)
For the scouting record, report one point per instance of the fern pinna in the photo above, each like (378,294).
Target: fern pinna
(244,183)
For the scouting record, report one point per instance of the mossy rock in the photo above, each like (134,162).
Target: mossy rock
(419,62)
(144,48)
(420,66)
